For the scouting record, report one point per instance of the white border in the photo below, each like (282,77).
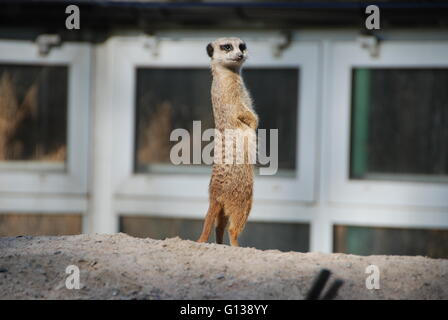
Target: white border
(74,181)
(129,53)
(347,55)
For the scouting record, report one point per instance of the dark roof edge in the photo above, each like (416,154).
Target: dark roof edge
(100,18)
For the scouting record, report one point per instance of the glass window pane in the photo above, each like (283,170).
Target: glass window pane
(400,124)
(391,241)
(260,235)
(275,94)
(167,99)
(39,224)
(33,117)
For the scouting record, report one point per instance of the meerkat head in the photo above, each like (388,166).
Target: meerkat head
(229,52)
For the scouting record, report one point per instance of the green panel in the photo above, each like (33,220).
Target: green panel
(360,110)
(362,240)
(359,240)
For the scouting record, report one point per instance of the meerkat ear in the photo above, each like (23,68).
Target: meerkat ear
(210,50)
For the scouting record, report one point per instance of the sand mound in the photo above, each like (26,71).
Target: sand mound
(122,267)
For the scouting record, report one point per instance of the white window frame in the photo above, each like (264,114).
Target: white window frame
(397,54)
(128,54)
(74,179)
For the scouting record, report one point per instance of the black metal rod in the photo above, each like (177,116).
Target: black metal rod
(333,291)
(318,285)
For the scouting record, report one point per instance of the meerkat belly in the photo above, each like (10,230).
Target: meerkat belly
(232,175)
(231,181)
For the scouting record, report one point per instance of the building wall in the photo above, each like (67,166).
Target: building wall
(100,178)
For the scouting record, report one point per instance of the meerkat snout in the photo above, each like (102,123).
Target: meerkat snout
(229,52)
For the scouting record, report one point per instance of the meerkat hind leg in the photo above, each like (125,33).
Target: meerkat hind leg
(210,218)
(237,223)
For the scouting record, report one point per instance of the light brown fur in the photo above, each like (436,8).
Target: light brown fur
(231,185)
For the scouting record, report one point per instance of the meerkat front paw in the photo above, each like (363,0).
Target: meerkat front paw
(249,119)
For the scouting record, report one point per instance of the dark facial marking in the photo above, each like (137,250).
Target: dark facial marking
(210,50)
(242,46)
(226,47)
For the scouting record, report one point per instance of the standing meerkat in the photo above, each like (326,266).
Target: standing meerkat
(231,185)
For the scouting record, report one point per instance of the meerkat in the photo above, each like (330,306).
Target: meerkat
(231,185)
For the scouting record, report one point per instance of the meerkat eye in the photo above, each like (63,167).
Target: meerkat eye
(242,46)
(226,47)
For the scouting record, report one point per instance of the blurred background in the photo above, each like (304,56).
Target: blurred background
(86,115)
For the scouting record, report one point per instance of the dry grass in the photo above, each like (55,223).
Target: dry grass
(154,140)
(12,115)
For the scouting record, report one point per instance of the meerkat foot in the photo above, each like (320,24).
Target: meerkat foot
(233,235)
(234,243)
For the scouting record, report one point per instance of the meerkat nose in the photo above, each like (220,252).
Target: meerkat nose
(240,56)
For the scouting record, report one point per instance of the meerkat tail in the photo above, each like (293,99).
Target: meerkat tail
(221,223)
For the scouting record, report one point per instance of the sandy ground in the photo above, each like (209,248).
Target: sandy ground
(122,267)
